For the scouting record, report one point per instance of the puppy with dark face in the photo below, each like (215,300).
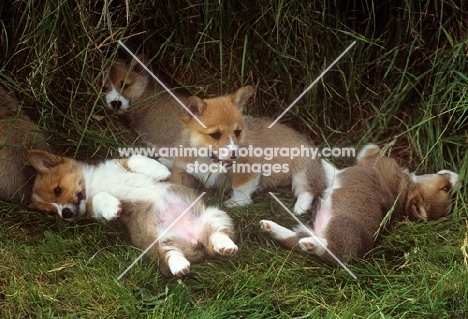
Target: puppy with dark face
(359,199)
(17,135)
(135,190)
(144,104)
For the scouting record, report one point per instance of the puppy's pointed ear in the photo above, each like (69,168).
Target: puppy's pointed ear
(415,208)
(136,66)
(43,161)
(241,96)
(196,106)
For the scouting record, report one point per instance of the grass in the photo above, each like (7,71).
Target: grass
(404,83)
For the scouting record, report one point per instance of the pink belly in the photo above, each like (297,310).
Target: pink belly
(321,220)
(187,226)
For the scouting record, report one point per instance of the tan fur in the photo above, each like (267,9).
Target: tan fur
(382,184)
(17,135)
(59,180)
(223,116)
(153,113)
(140,218)
(147,208)
(366,193)
(56,172)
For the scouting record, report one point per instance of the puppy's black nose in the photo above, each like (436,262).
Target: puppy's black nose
(116,104)
(67,213)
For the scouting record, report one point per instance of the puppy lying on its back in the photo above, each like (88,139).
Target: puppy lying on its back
(17,135)
(359,199)
(145,105)
(132,188)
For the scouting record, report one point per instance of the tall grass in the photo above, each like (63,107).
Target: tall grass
(403,83)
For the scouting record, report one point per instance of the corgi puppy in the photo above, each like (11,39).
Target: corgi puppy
(358,200)
(235,142)
(147,108)
(17,135)
(133,189)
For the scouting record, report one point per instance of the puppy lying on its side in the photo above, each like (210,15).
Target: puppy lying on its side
(17,135)
(234,140)
(132,188)
(143,103)
(359,199)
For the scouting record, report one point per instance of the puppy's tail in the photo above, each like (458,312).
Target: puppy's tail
(368,151)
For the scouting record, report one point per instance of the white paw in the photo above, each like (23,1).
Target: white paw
(106,206)
(299,210)
(223,245)
(314,245)
(148,166)
(178,265)
(303,203)
(276,231)
(235,201)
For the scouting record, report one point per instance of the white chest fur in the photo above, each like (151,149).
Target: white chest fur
(112,178)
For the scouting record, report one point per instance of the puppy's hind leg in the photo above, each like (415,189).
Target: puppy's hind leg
(217,232)
(177,263)
(315,245)
(222,244)
(283,235)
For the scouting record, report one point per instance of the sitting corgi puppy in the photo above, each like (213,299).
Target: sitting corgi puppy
(132,188)
(17,135)
(359,199)
(234,141)
(144,104)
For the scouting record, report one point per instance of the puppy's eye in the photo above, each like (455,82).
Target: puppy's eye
(237,133)
(447,188)
(57,191)
(124,84)
(216,135)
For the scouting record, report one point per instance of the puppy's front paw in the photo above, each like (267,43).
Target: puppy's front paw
(303,203)
(234,202)
(106,206)
(148,166)
(223,245)
(178,265)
